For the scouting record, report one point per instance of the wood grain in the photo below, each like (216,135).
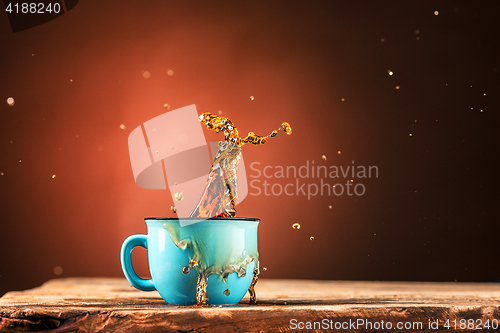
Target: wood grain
(112,305)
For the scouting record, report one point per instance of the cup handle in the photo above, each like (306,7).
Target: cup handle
(126,260)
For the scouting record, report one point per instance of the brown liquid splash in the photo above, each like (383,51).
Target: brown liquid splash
(218,200)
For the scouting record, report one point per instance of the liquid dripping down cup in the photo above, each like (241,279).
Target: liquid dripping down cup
(220,246)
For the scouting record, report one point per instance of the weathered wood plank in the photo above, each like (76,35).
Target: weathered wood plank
(111,304)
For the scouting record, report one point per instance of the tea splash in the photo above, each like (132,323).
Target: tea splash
(220,191)
(218,200)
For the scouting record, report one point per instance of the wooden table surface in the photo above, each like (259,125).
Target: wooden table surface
(112,305)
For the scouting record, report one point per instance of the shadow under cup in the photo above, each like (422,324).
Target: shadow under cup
(225,250)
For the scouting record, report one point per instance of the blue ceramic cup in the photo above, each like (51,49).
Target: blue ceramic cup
(225,249)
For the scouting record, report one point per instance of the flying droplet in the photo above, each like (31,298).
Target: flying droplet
(186,270)
(339,152)
(179,196)
(227,292)
(436,13)
(417,32)
(331,205)
(170,72)
(352,181)
(173,209)
(11,101)
(1,173)
(252,98)
(287,128)
(122,127)
(146,74)
(411,134)
(71,80)
(265,268)
(53,176)
(390,72)
(166,106)
(397,87)
(296,226)
(323,157)
(58,270)
(311,238)
(343,99)
(382,40)
(219,112)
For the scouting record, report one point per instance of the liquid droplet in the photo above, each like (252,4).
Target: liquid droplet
(296,226)
(330,205)
(179,196)
(193,263)
(287,128)
(390,72)
(436,13)
(339,152)
(186,270)
(173,209)
(166,106)
(323,157)
(146,74)
(227,292)
(219,112)
(252,98)
(265,268)
(343,99)
(11,101)
(122,127)
(53,176)
(170,72)
(397,87)
(311,238)
(58,270)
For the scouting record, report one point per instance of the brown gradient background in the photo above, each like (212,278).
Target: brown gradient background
(432,214)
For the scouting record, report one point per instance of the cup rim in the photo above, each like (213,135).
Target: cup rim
(242,219)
